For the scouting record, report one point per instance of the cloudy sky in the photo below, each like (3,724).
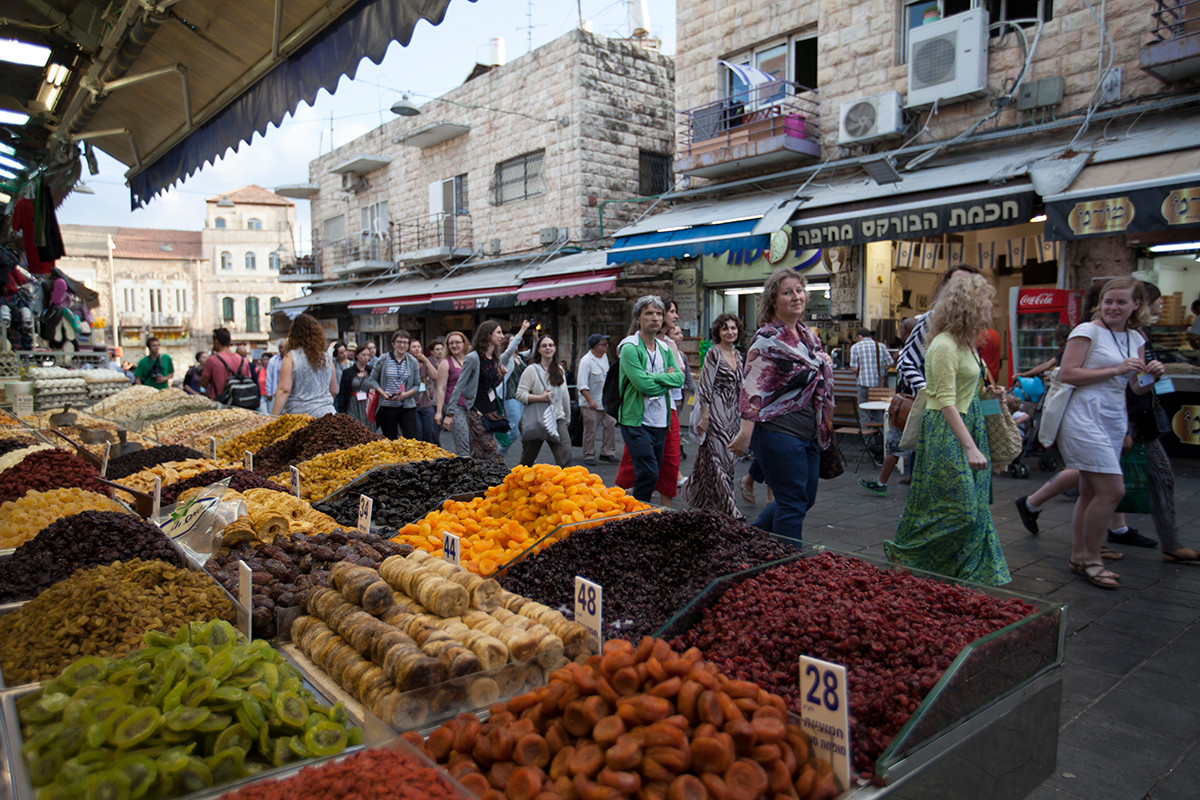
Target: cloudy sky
(437,60)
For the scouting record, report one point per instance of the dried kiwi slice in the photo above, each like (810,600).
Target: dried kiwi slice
(354,737)
(174,698)
(298,747)
(291,709)
(43,767)
(282,753)
(225,697)
(158,639)
(141,772)
(106,785)
(136,727)
(325,739)
(250,713)
(227,765)
(198,691)
(90,669)
(214,723)
(193,777)
(234,736)
(185,718)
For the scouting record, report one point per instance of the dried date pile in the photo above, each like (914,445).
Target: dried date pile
(286,569)
(895,634)
(650,565)
(77,542)
(139,460)
(48,469)
(240,481)
(324,435)
(407,492)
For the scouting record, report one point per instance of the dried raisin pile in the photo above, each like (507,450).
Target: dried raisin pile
(77,542)
(48,469)
(650,565)
(9,445)
(407,492)
(138,460)
(240,481)
(324,435)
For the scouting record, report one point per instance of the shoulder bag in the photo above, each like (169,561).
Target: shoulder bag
(1135,470)
(831,464)
(1055,404)
(539,422)
(911,436)
(1004,437)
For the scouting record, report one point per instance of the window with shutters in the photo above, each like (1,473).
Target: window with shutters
(227,309)
(252,315)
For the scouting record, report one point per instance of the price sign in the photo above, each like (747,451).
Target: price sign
(589,610)
(245,600)
(824,707)
(104,463)
(450,549)
(365,506)
(248,461)
(157,500)
(295,481)
(23,405)
(212,448)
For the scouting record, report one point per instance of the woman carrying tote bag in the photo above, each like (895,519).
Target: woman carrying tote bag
(543,383)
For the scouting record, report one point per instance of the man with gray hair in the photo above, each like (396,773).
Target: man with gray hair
(648,373)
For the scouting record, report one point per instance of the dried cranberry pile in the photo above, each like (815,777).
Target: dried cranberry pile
(240,481)
(895,633)
(138,460)
(324,435)
(48,469)
(650,565)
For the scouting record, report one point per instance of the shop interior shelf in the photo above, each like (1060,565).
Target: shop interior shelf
(988,669)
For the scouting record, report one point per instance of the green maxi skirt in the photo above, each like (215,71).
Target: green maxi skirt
(947,526)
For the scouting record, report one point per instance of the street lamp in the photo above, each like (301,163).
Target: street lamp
(405,107)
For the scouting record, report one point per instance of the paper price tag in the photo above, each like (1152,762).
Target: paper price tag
(589,610)
(104,463)
(245,600)
(23,405)
(365,506)
(450,549)
(212,448)
(824,708)
(248,461)
(157,500)
(295,481)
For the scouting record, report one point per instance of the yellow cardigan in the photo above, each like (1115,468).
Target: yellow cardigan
(952,374)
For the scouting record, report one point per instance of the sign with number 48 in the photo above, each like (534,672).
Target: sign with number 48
(589,609)
(825,712)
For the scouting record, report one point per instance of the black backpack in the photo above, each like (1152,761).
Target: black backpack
(613,391)
(241,390)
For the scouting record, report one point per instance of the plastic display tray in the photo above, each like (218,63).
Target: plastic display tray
(990,674)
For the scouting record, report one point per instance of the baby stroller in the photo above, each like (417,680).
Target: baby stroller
(1032,393)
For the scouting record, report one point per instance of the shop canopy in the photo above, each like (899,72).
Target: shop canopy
(465,290)
(572,275)
(177,83)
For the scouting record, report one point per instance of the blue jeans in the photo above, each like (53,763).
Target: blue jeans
(645,446)
(513,409)
(425,425)
(792,467)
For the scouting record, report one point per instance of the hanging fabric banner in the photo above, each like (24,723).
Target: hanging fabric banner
(904,255)
(929,252)
(1016,252)
(987,256)
(954,253)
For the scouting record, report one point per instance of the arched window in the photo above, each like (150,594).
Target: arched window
(226,260)
(219,222)
(273,261)
(274,302)
(252,315)
(249,260)
(227,309)
(254,224)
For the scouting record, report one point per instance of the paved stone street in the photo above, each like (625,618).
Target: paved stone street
(1130,725)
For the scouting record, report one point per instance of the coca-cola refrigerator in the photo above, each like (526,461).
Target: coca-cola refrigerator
(1033,316)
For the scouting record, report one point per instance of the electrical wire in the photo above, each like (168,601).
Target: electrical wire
(1094,100)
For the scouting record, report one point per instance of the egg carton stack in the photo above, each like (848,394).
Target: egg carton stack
(103,382)
(10,367)
(54,387)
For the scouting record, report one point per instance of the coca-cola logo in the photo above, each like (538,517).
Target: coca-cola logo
(1042,299)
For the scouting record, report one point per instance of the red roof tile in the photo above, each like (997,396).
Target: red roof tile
(157,243)
(253,195)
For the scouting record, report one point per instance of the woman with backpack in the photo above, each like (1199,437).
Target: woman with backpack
(307,382)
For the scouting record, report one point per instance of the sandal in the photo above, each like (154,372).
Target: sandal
(1181,555)
(747,491)
(1097,575)
(1110,554)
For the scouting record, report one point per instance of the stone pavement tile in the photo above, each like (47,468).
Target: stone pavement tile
(1110,760)
(1110,650)
(1166,594)
(1081,686)
(1144,618)
(1147,702)
(1084,602)
(1182,781)
(1045,792)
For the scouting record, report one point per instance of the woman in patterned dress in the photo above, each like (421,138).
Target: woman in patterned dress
(711,482)
(947,526)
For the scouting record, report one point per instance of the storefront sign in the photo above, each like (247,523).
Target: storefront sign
(684,294)
(378,323)
(1155,209)
(1186,424)
(330,327)
(883,224)
(474,303)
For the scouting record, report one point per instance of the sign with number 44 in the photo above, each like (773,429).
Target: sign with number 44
(824,707)
(451,550)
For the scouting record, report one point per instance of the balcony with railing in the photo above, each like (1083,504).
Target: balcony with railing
(771,126)
(433,237)
(361,252)
(303,270)
(1174,52)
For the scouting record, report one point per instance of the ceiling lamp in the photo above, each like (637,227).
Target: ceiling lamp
(405,107)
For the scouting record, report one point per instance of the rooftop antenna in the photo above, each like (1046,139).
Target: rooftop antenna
(529,26)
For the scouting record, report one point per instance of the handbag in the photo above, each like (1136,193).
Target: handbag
(494,422)
(1004,438)
(372,406)
(1147,417)
(898,410)
(911,436)
(539,422)
(832,464)
(1055,405)
(1135,469)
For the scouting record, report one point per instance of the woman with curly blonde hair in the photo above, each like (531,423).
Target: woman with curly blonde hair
(947,526)
(307,382)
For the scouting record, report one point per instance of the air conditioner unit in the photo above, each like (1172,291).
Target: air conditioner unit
(947,60)
(869,118)
(352,182)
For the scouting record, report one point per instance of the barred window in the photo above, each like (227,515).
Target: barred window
(654,173)
(519,178)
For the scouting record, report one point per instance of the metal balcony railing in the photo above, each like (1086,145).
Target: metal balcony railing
(432,231)
(781,108)
(1175,19)
(304,268)
(334,256)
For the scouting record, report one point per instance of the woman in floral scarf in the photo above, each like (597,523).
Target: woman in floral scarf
(786,403)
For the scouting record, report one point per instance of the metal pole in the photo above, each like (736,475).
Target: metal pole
(112,294)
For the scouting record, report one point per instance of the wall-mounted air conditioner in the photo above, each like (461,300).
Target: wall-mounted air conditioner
(947,60)
(352,182)
(870,118)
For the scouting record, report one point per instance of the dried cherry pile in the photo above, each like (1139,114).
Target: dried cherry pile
(80,541)
(286,569)
(324,435)
(49,469)
(240,481)
(895,633)
(650,565)
(407,492)
(138,460)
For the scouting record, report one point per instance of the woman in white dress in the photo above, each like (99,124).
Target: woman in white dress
(1100,358)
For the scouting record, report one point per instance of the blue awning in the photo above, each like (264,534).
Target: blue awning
(363,31)
(687,242)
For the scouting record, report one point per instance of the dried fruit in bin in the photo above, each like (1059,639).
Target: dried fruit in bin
(21,519)
(48,469)
(235,447)
(139,460)
(331,432)
(181,714)
(322,475)
(239,480)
